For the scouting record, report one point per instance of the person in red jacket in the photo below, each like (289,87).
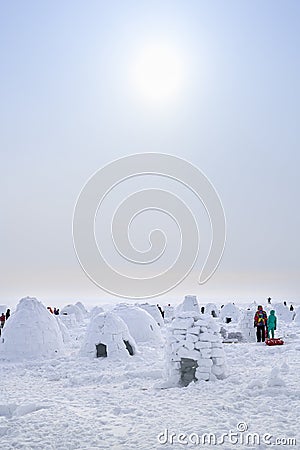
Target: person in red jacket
(260,322)
(2,320)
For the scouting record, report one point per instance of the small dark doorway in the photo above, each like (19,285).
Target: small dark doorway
(101,351)
(188,369)
(129,348)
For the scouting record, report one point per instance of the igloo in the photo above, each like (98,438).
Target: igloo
(230,313)
(154,312)
(212,309)
(283,313)
(31,333)
(141,324)
(190,303)
(194,350)
(72,310)
(96,310)
(82,308)
(107,335)
(253,306)
(297,317)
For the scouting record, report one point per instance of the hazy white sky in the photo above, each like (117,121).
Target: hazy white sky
(76,93)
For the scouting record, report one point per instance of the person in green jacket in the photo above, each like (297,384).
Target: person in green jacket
(272,323)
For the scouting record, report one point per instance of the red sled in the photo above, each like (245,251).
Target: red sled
(274,341)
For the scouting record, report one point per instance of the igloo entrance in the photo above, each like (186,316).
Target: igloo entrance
(101,350)
(129,348)
(188,368)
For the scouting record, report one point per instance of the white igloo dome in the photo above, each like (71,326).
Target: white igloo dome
(297,316)
(230,311)
(283,313)
(141,324)
(154,312)
(31,332)
(212,309)
(96,310)
(73,310)
(82,308)
(107,335)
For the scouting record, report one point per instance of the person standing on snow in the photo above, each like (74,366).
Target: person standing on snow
(272,323)
(2,320)
(260,322)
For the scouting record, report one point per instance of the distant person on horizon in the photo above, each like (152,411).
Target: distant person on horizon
(161,310)
(7,315)
(272,323)
(2,322)
(260,322)
(269,301)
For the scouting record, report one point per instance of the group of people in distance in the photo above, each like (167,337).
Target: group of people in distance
(54,311)
(3,319)
(265,326)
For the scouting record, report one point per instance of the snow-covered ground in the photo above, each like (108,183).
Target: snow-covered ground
(73,402)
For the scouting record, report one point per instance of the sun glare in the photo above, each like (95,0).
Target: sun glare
(158,73)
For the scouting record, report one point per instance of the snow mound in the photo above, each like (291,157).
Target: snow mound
(31,333)
(112,334)
(154,312)
(190,303)
(194,350)
(274,379)
(141,324)
(230,311)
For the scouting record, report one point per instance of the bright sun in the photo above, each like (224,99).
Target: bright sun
(158,73)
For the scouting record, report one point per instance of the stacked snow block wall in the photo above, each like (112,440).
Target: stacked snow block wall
(247,326)
(194,349)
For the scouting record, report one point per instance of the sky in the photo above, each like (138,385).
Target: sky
(77,92)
